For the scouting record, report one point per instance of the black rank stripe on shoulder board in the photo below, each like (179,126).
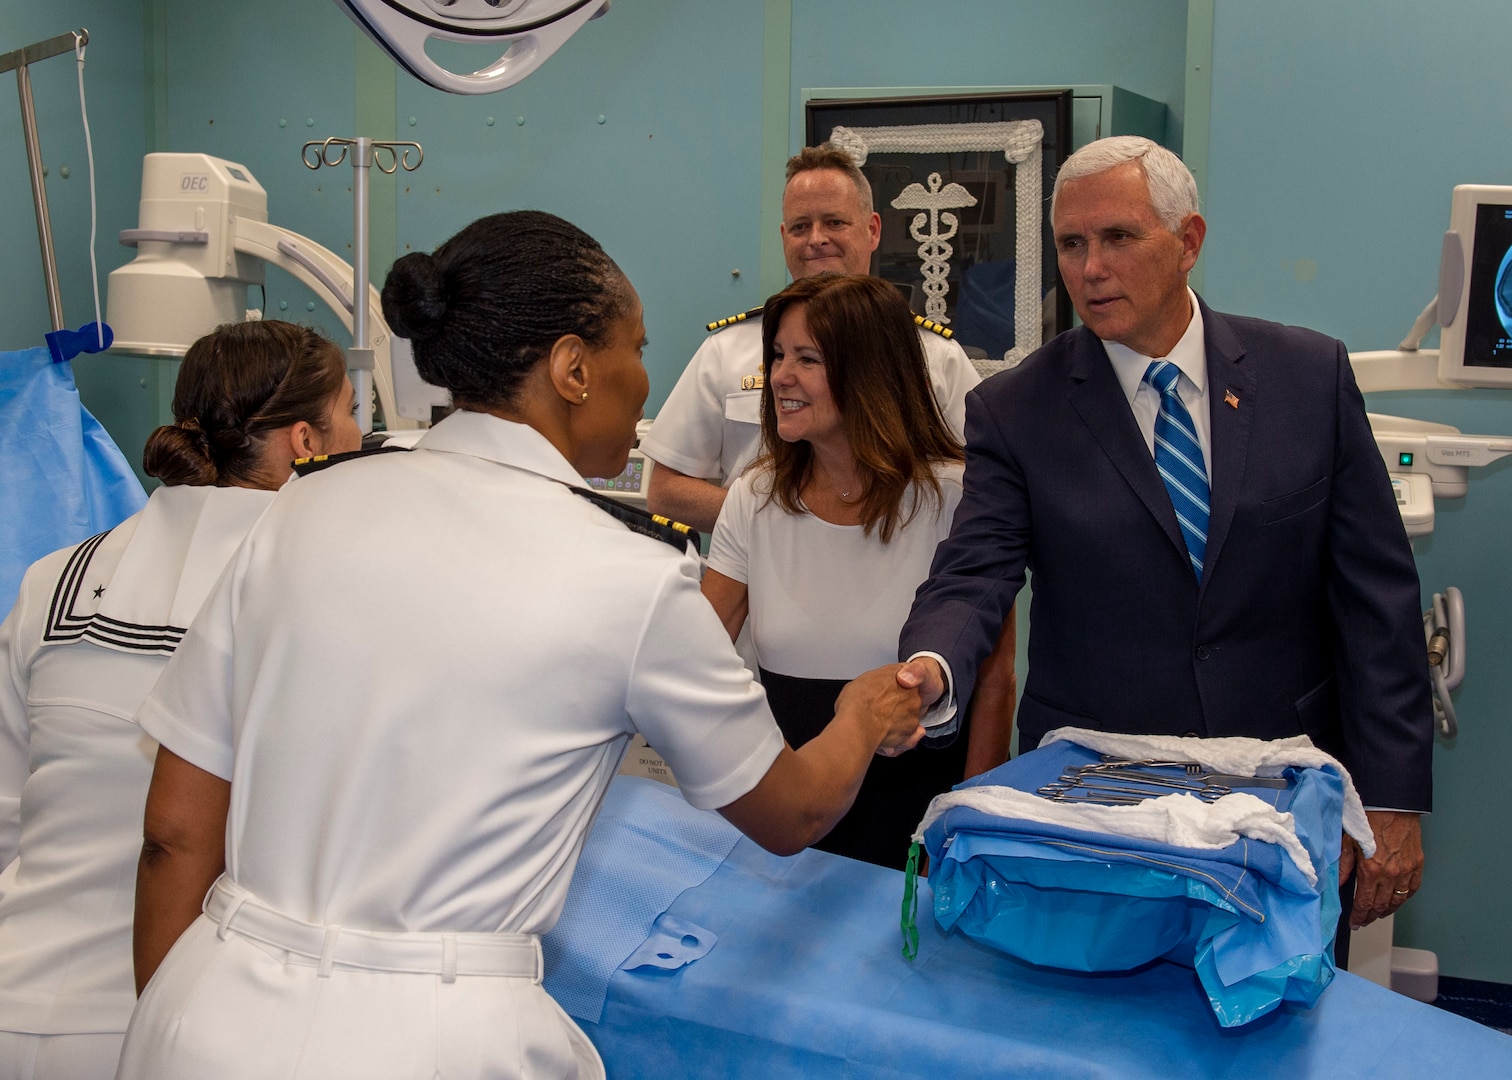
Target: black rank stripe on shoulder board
(647,524)
(720,324)
(929,324)
(306,465)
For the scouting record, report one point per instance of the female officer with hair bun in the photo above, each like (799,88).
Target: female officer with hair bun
(91,630)
(402,705)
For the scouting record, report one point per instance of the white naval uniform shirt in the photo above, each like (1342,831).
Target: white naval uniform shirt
(710,426)
(420,674)
(91,631)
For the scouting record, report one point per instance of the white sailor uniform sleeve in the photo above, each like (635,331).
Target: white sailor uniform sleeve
(953,377)
(20,637)
(693,698)
(189,708)
(730,545)
(688,433)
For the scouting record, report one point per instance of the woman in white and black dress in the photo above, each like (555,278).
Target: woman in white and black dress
(823,541)
(90,633)
(396,717)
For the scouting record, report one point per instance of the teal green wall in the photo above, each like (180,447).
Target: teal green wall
(253,83)
(695,96)
(1332,134)
(1337,132)
(645,129)
(1140,46)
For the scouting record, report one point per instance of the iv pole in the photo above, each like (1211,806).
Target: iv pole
(19,59)
(366,154)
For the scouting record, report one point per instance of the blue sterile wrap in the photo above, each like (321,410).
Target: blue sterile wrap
(64,479)
(626,878)
(807,980)
(1245,917)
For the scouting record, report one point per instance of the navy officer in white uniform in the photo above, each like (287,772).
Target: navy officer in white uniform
(709,430)
(399,711)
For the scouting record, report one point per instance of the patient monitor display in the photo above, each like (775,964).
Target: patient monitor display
(1488,322)
(1475,288)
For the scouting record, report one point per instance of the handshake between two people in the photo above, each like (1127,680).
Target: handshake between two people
(806,791)
(895,697)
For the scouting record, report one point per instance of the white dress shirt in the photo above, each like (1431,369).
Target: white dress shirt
(1190,358)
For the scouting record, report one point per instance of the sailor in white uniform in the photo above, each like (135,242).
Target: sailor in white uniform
(92,628)
(709,430)
(404,702)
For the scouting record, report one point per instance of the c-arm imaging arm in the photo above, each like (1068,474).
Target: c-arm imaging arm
(203,238)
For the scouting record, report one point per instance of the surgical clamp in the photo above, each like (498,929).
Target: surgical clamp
(1193,769)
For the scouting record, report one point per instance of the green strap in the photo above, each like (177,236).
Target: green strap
(910,925)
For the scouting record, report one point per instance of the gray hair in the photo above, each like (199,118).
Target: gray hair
(829,156)
(1173,189)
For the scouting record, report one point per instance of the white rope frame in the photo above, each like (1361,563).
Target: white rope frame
(1020,141)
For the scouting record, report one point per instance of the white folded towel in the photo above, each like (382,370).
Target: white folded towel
(1231,755)
(1181,820)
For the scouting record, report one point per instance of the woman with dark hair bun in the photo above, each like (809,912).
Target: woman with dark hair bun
(250,398)
(91,630)
(398,812)
(823,541)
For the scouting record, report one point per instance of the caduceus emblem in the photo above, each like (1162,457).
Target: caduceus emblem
(935,249)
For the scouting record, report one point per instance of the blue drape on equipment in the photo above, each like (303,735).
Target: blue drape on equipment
(62,478)
(1245,917)
(807,980)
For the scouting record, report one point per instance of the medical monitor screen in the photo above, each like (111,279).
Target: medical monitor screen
(1488,320)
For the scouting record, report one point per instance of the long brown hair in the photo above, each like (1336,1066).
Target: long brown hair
(878,376)
(237,383)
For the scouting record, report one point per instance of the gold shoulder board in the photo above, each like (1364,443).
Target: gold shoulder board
(306,465)
(637,520)
(720,324)
(929,324)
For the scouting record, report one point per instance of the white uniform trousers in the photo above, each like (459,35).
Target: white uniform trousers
(77,1056)
(249,992)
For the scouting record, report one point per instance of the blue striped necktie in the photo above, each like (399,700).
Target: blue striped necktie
(1178,456)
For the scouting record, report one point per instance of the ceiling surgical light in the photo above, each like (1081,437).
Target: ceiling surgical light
(531,31)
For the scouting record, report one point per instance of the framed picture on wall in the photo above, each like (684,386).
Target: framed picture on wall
(962,183)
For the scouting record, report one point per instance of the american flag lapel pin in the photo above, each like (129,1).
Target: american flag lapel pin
(1231,399)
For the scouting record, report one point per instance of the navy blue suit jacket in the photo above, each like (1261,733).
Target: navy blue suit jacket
(1307,619)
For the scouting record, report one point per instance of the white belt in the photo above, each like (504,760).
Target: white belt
(235,910)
